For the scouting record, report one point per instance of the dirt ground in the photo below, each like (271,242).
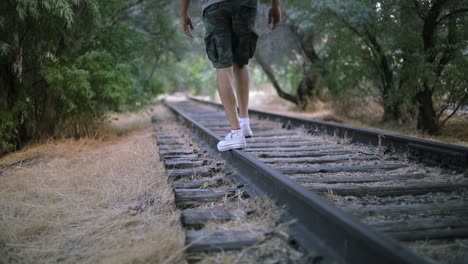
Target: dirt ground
(90,200)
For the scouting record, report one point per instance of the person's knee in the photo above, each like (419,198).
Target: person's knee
(239,66)
(225,70)
(224,74)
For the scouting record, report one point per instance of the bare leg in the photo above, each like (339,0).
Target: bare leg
(227,96)
(242,78)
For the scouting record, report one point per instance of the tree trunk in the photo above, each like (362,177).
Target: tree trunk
(308,84)
(271,76)
(391,113)
(426,114)
(46,126)
(8,85)
(426,120)
(391,105)
(306,88)
(10,93)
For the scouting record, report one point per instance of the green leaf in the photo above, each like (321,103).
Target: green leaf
(4,48)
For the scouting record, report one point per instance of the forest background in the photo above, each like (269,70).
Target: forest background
(66,64)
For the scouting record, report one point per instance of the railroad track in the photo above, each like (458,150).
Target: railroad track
(217,210)
(384,187)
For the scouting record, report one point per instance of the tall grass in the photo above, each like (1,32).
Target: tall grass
(74,201)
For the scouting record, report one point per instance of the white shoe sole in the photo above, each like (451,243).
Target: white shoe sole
(235,145)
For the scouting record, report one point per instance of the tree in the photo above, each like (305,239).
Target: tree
(301,41)
(441,30)
(377,48)
(70,60)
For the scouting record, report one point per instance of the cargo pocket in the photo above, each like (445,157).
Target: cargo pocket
(211,8)
(210,13)
(246,30)
(211,51)
(253,44)
(249,3)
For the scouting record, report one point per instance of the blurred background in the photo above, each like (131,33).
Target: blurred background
(399,65)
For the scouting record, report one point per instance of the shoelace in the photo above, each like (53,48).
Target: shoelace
(231,135)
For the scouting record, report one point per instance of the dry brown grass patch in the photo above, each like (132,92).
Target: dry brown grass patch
(74,204)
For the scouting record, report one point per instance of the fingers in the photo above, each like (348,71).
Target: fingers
(273,24)
(274,18)
(187,31)
(187,26)
(189,22)
(271,21)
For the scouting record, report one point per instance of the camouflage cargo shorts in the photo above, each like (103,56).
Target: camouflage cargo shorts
(230,32)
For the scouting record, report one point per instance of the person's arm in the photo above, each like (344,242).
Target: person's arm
(187,25)
(274,15)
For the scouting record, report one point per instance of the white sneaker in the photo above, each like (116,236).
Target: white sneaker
(232,141)
(245,130)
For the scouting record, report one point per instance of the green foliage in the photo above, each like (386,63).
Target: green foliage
(7,132)
(198,75)
(75,60)
(376,48)
(4,48)
(91,85)
(291,73)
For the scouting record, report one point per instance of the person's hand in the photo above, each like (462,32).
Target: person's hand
(274,16)
(187,25)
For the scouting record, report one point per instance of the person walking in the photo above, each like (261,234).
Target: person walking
(231,41)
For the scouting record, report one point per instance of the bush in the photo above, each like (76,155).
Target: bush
(65,60)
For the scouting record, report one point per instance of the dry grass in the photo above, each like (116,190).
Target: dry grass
(122,124)
(443,251)
(117,124)
(89,201)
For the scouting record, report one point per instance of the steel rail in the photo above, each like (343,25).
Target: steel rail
(317,219)
(426,151)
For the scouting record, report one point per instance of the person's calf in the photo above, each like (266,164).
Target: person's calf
(242,80)
(227,96)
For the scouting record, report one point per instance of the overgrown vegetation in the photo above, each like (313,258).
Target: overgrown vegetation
(72,61)
(89,201)
(409,55)
(67,63)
